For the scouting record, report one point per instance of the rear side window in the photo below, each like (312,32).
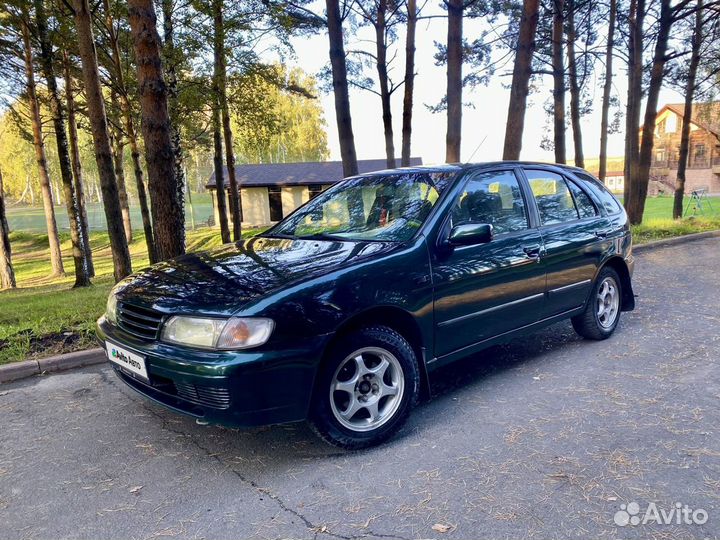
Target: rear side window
(554,201)
(607,199)
(584,204)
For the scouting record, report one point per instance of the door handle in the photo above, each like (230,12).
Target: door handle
(602,234)
(532,252)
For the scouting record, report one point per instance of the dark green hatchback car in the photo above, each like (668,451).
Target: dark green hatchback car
(340,313)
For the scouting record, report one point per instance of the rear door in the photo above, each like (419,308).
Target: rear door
(572,230)
(487,289)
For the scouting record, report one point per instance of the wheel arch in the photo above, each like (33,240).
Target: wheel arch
(403,322)
(618,264)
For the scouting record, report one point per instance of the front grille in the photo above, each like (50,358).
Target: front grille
(139,321)
(209,396)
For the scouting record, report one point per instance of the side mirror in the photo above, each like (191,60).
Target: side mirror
(471,234)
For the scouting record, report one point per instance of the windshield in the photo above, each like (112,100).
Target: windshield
(381,207)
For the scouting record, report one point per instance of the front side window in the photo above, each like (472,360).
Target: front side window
(381,207)
(494,198)
(554,201)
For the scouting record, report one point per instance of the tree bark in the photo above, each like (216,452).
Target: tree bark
(454,80)
(76,165)
(132,136)
(687,112)
(221,84)
(340,88)
(47,60)
(56,261)
(122,266)
(409,82)
(382,70)
(636,22)
(639,184)
(7,273)
(118,146)
(170,58)
(167,202)
(219,176)
(520,81)
(607,87)
(558,81)
(574,87)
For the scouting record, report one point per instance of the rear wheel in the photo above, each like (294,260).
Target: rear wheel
(366,389)
(602,313)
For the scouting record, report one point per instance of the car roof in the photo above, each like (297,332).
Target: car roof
(462,167)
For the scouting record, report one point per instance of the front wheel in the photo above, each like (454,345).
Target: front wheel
(602,313)
(366,389)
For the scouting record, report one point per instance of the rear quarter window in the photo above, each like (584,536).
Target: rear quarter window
(607,199)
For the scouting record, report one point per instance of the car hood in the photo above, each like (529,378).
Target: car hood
(220,281)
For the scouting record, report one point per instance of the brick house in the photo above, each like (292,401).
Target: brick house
(703,168)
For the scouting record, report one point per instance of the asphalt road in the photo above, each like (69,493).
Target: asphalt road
(545,437)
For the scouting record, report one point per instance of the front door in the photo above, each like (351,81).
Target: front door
(485,290)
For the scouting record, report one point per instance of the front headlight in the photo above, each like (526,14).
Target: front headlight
(111,308)
(233,333)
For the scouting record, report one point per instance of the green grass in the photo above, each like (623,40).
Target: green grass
(658,223)
(32,218)
(45,315)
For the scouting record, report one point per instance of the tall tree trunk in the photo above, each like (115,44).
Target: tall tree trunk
(219,176)
(117,146)
(167,202)
(122,266)
(340,88)
(132,135)
(7,274)
(170,55)
(221,83)
(454,80)
(520,81)
(574,87)
(639,184)
(558,81)
(382,70)
(56,261)
(687,112)
(607,87)
(636,23)
(409,81)
(82,277)
(76,165)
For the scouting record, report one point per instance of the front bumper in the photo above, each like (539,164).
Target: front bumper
(232,388)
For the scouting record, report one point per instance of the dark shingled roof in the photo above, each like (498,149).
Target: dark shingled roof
(298,174)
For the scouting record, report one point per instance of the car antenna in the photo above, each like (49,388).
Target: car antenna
(477,148)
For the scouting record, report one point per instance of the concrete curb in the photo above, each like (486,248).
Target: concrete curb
(675,240)
(61,362)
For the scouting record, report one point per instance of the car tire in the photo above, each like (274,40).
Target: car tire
(365,389)
(602,311)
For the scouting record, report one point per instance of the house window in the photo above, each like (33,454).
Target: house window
(275,200)
(315,190)
(700,151)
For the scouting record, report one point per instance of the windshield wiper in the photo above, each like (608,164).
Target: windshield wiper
(323,236)
(279,235)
